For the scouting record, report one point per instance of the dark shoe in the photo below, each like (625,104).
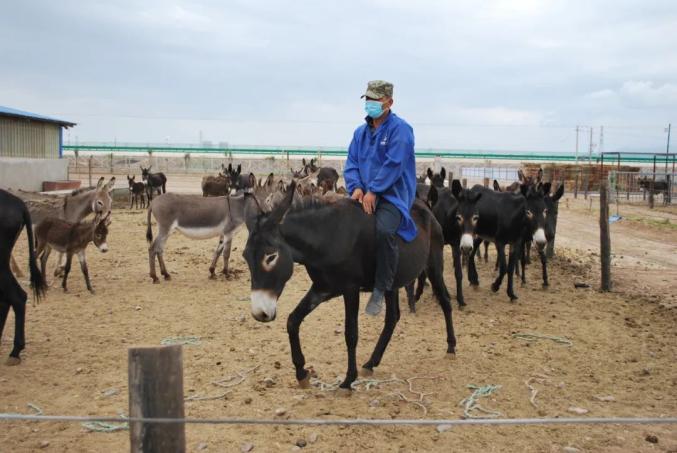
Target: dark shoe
(375,304)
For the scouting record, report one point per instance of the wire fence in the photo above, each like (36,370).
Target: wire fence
(642,188)
(350,421)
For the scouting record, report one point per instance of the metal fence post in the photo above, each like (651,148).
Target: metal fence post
(605,239)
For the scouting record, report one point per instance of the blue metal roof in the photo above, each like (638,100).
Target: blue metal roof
(8,111)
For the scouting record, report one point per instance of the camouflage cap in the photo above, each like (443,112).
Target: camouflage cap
(376,89)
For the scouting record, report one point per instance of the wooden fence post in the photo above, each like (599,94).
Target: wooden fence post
(451,178)
(576,185)
(464,183)
(156,391)
(111,163)
(486,182)
(605,239)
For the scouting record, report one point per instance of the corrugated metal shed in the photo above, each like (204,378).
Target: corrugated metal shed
(30,135)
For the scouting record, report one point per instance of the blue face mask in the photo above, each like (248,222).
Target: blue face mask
(374,109)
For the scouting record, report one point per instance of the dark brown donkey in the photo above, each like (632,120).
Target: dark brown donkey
(71,239)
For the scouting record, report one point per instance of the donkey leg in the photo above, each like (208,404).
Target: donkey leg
(440,289)
(473,277)
(226,253)
(67,269)
(309,302)
(500,248)
(458,274)
(486,251)
(83,266)
(15,297)
(4,313)
(217,252)
(58,270)
(514,253)
(420,284)
(544,264)
(392,317)
(411,301)
(351,301)
(522,266)
(157,249)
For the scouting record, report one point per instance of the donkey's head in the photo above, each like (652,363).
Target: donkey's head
(102,201)
(437,179)
(536,212)
(552,206)
(130,181)
(101,232)
(270,259)
(467,213)
(145,172)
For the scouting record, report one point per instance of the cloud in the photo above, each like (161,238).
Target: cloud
(647,94)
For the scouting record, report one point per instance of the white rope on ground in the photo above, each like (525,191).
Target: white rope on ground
(350,422)
(35,408)
(185,341)
(537,336)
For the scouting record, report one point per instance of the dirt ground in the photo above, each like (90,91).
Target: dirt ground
(621,361)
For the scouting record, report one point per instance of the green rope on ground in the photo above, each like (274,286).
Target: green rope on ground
(470,403)
(537,336)
(103,427)
(186,341)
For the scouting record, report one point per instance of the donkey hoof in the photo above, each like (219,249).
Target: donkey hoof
(156,281)
(545,286)
(212,276)
(92,292)
(344,392)
(305,382)
(13,361)
(475,286)
(366,372)
(495,287)
(451,355)
(513,298)
(168,277)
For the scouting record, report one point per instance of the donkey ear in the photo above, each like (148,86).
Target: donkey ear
(280,211)
(520,175)
(429,173)
(497,186)
(540,175)
(107,219)
(239,169)
(476,197)
(432,195)
(456,188)
(111,184)
(252,180)
(558,193)
(99,184)
(270,180)
(443,173)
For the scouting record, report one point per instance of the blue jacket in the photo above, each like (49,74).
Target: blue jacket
(383,162)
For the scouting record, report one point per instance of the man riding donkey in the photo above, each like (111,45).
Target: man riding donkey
(381,174)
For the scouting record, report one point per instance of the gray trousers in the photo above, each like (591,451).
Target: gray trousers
(388,219)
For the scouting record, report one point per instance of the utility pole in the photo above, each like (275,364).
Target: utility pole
(591,145)
(577,127)
(667,148)
(601,139)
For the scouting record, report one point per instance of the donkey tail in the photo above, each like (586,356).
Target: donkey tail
(149,231)
(37,281)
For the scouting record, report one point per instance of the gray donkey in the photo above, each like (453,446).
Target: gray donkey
(198,218)
(74,207)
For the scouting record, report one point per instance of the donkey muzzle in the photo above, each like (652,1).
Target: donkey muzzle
(539,237)
(264,305)
(467,242)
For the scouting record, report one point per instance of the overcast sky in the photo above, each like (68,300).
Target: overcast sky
(494,74)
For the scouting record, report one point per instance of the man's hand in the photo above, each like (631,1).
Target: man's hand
(357,195)
(369,202)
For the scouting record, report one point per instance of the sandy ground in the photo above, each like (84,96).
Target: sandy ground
(624,347)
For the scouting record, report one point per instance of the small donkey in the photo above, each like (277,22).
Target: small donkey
(136,190)
(71,239)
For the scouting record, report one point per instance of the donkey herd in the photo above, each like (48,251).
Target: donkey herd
(306,219)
